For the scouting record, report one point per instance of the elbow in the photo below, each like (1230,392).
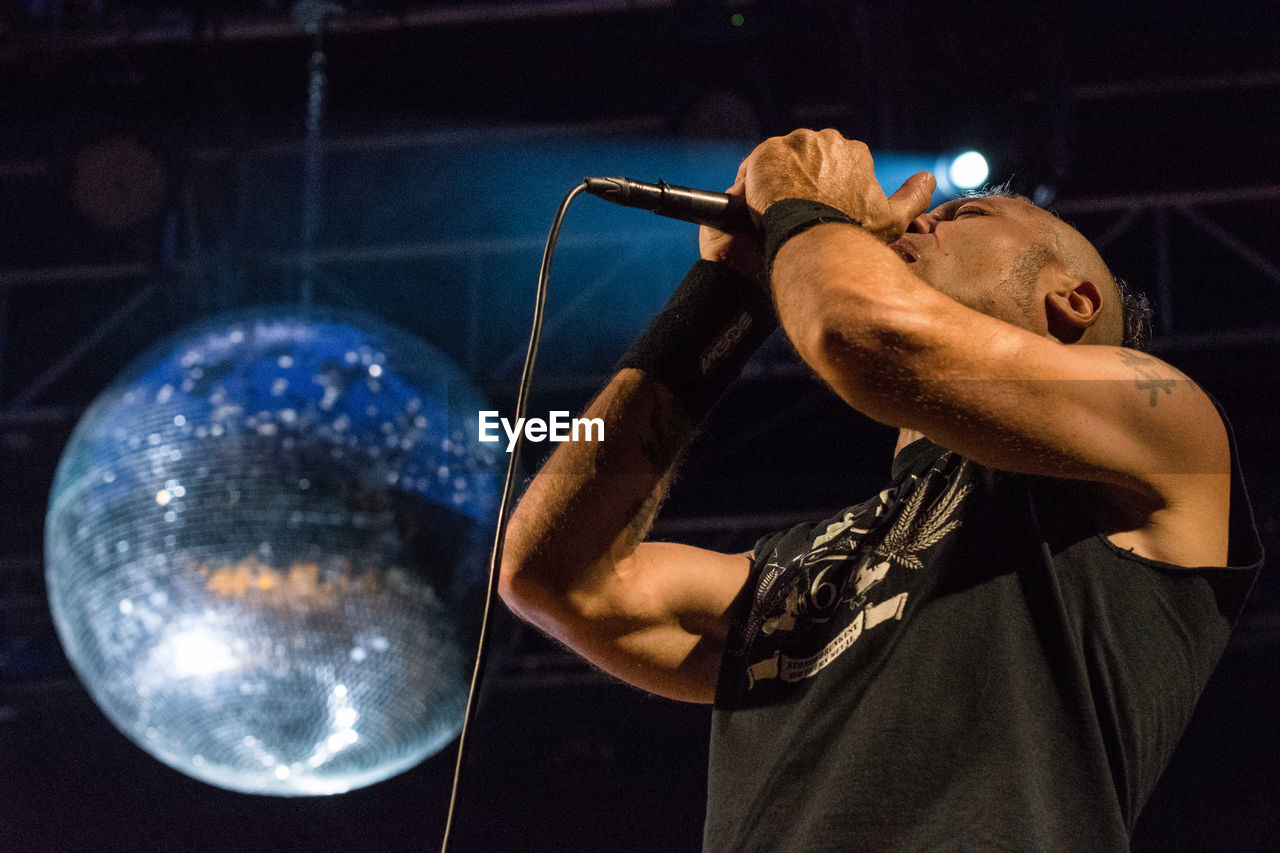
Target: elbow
(536,597)
(871,360)
(832,348)
(859,342)
(524,569)
(528,602)
(507,589)
(569,614)
(515,589)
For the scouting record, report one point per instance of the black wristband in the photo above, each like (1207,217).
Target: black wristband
(785,219)
(700,341)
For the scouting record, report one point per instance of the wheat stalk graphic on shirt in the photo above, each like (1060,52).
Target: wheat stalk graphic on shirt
(910,534)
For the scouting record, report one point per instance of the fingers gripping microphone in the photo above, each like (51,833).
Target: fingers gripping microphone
(719,210)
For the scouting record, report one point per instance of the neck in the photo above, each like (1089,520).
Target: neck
(905,437)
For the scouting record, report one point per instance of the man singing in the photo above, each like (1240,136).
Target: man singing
(999,650)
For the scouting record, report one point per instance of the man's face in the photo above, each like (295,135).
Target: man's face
(986,253)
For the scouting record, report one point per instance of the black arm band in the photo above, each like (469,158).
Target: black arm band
(700,341)
(785,219)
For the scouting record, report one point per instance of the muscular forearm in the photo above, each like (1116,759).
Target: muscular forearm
(826,225)
(593,502)
(833,287)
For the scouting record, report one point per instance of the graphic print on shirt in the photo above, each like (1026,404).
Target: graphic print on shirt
(842,577)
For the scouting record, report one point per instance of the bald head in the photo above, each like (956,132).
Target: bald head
(1005,257)
(1079,260)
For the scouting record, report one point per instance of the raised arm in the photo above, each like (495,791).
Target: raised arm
(975,330)
(653,614)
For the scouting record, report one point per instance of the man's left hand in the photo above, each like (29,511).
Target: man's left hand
(824,166)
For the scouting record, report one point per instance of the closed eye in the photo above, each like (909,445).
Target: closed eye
(965,211)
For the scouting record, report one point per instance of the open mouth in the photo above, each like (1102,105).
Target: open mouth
(905,251)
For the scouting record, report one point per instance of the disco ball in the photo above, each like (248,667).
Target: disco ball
(265,551)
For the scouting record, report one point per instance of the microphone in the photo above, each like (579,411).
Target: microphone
(719,210)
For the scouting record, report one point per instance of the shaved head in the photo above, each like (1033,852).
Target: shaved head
(1080,260)
(999,254)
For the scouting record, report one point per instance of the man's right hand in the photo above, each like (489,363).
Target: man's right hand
(739,250)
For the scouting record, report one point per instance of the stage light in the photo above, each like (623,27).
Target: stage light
(967,171)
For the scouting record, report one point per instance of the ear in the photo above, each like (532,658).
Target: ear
(1071,308)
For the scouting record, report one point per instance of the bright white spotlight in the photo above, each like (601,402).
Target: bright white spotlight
(967,171)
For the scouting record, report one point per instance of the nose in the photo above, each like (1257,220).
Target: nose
(923,224)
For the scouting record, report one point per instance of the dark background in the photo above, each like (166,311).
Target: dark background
(1153,127)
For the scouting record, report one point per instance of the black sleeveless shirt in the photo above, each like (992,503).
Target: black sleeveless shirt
(960,663)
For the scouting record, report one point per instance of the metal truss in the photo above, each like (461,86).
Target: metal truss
(23,609)
(1131,210)
(257,22)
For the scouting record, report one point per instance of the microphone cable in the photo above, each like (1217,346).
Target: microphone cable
(504,506)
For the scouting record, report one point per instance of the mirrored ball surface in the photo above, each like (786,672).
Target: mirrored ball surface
(265,549)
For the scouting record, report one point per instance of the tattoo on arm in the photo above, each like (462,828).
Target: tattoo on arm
(1148,377)
(667,433)
(661,443)
(642,517)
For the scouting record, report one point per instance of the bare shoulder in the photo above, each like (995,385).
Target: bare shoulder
(1181,426)
(1128,421)
(1188,469)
